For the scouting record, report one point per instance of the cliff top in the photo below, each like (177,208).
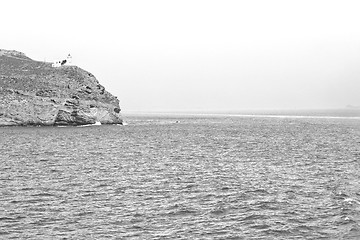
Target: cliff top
(14,54)
(19,72)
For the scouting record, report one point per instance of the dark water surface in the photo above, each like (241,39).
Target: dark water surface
(199,178)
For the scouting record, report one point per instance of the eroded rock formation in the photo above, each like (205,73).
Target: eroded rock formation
(35,93)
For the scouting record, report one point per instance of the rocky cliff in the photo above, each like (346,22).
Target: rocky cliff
(35,93)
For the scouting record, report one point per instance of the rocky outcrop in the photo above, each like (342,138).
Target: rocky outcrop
(35,93)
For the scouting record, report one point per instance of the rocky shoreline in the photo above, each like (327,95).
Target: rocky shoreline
(35,93)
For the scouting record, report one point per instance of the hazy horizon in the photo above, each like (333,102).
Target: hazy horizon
(200,55)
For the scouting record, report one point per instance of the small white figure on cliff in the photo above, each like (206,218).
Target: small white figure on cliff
(67,61)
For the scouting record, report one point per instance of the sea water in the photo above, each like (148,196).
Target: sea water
(178,176)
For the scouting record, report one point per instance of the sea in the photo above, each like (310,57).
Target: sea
(277,175)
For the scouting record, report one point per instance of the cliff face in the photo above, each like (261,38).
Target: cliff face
(35,93)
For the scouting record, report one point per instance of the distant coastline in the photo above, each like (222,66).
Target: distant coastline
(350,113)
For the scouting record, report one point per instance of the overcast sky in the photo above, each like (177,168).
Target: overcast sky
(199,55)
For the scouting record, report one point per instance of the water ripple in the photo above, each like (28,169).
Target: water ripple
(202,178)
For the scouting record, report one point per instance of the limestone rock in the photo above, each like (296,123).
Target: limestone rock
(35,93)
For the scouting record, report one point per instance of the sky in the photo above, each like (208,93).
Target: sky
(199,55)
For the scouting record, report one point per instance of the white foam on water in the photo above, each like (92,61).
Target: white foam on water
(291,116)
(90,125)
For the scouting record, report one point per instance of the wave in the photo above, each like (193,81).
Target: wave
(260,115)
